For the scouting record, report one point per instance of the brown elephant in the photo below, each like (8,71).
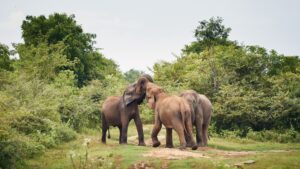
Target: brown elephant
(201,109)
(171,111)
(118,111)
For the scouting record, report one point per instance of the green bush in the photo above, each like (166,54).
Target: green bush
(44,138)
(63,134)
(285,136)
(31,124)
(16,148)
(146,114)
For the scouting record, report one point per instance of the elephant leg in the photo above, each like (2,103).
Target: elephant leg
(104,130)
(125,123)
(180,131)
(139,127)
(189,128)
(204,134)
(120,131)
(199,134)
(155,131)
(187,139)
(169,139)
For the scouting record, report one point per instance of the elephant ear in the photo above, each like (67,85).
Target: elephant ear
(128,98)
(128,95)
(141,85)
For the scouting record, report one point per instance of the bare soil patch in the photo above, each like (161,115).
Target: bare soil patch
(202,152)
(173,153)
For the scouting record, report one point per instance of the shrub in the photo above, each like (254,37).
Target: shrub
(285,136)
(63,134)
(146,114)
(16,148)
(31,124)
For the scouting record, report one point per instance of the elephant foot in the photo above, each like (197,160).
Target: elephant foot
(123,143)
(194,147)
(169,146)
(156,143)
(142,144)
(200,144)
(182,147)
(189,144)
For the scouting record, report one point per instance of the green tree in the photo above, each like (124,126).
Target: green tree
(208,34)
(132,75)
(5,61)
(212,32)
(78,44)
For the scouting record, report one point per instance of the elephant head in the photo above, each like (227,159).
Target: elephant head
(136,92)
(193,99)
(152,91)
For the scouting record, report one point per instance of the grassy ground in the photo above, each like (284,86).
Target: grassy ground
(221,153)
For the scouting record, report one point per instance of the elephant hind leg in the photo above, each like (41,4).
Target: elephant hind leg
(199,134)
(169,139)
(204,135)
(189,129)
(180,132)
(104,129)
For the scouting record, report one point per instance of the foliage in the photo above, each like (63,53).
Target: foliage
(132,74)
(41,104)
(57,28)
(208,34)
(286,136)
(5,62)
(251,88)
(59,81)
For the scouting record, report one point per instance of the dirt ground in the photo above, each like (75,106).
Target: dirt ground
(175,153)
(201,152)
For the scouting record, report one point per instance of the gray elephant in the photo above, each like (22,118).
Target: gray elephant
(201,108)
(118,111)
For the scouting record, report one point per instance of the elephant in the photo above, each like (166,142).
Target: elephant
(118,111)
(171,111)
(201,109)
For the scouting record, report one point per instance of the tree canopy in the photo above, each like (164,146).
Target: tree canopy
(209,33)
(88,62)
(5,61)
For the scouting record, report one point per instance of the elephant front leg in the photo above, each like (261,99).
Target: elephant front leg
(124,127)
(120,132)
(155,131)
(169,139)
(139,127)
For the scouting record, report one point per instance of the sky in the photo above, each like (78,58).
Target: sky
(138,33)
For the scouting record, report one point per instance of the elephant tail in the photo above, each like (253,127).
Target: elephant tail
(108,133)
(183,111)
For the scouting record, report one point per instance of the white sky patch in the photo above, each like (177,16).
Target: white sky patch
(138,34)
